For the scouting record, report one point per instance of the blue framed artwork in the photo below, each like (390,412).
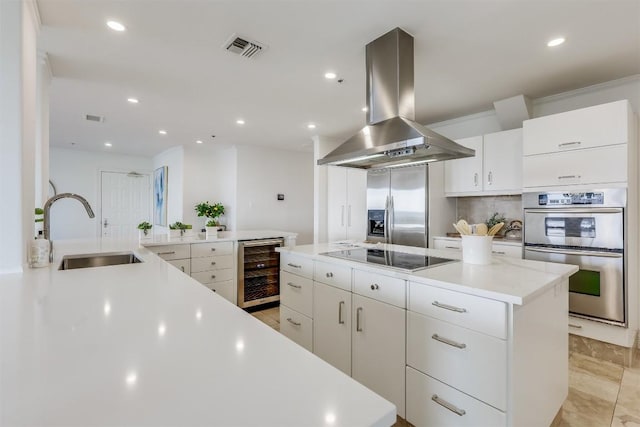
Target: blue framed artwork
(160,196)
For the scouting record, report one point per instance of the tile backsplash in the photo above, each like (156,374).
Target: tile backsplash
(479,209)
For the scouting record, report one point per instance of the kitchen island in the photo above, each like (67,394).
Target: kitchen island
(145,344)
(451,344)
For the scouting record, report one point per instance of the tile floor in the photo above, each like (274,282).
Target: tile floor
(601,394)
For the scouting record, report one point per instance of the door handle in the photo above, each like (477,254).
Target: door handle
(358,311)
(349,216)
(475,179)
(490,178)
(340,320)
(342,215)
(106,223)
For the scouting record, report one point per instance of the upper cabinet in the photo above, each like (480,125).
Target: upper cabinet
(495,169)
(347,203)
(579,148)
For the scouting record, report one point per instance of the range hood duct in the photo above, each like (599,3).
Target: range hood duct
(392,137)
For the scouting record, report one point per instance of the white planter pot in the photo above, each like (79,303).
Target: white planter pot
(175,233)
(211,233)
(143,236)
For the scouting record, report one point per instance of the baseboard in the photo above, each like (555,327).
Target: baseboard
(613,353)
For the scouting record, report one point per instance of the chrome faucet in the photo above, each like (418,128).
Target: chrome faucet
(47,207)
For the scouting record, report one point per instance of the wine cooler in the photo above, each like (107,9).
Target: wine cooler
(258,272)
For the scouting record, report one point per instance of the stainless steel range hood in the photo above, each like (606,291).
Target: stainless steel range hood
(392,137)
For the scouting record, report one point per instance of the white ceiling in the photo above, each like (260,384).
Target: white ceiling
(468,53)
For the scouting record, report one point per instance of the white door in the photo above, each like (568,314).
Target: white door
(332,326)
(356,204)
(126,202)
(336,203)
(503,161)
(465,175)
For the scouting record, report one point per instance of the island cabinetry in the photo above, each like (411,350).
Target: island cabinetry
(497,248)
(296,299)
(176,255)
(212,265)
(332,315)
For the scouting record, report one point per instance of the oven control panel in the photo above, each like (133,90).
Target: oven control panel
(567,199)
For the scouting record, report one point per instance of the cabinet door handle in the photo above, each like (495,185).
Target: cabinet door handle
(571,325)
(475,179)
(182,268)
(213,249)
(294,265)
(569,144)
(213,263)
(490,178)
(375,287)
(213,276)
(294,323)
(294,285)
(358,311)
(448,341)
(451,247)
(569,177)
(167,253)
(498,252)
(329,275)
(349,216)
(342,215)
(449,307)
(340,320)
(448,405)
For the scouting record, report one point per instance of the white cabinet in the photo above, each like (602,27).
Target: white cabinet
(378,349)
(497,247)
(579,148)
(495,169)
(332,325)
(212,264)
(346,203)
(296,299)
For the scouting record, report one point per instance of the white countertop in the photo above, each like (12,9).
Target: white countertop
(165,239)
(511,280)
(144,344)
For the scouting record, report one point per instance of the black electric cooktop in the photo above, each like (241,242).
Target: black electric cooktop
(401,260)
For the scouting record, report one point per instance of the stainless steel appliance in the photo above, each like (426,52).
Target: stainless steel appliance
(391,136)
(392,259)
(397,205)
(258,272)
(585,229)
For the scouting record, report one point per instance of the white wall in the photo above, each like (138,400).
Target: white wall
(262,174)
(173,158)
(76,171)
(209,175)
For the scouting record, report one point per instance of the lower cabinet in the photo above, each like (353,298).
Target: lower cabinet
(332,325)
(296,326)
(378,348)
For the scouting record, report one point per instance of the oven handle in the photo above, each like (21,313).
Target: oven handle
(574,210)
(573,252)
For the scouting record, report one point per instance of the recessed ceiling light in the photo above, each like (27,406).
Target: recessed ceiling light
(108,144)
(311,126)
(198,142)
(162,132)
(133,100)
(365,109)
(240,121)
(116,26)
(330,75)
(556,42)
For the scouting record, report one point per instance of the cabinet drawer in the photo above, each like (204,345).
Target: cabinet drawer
(211,263)
(467,360)
(334,275)
(169,252)
(182,265)
(296,292)
(382,288)
(297,327)
(595,126)
(432,403)
(447,244)
(594,166)
(208,249)
(507,250)
(475,313)
(225,289)
(297,265)
(205,277)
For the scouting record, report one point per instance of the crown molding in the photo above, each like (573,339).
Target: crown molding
(587,89)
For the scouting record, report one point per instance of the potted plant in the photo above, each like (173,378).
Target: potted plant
(178,229)
(144,228)
(211,212)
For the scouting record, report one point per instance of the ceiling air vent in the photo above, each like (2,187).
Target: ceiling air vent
(243,46)
(94,118)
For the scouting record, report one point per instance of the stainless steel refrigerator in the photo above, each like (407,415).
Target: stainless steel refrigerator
(397,205)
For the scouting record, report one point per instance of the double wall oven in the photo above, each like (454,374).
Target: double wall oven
(585,229)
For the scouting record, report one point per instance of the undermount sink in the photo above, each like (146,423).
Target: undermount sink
(70,262)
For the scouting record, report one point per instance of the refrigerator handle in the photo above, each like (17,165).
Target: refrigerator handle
(386,220)
(391,219)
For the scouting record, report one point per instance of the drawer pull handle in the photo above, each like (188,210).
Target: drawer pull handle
(449,307)
(213,276)
(448,405)
(498,252)
(475,179)
(213,249)
(568,144)
(213,263)
(167,253)
(569,177)
(358,311)
(451,247)
(448,341)
(294,265)
(340,320)
(329,275)
(260,265)
(375,287)
(571,325)
(294,286)
(294,323)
